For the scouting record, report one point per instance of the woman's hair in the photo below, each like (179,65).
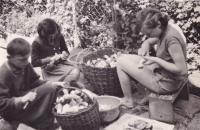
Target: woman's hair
(149,18)
(18,46)
(47,27)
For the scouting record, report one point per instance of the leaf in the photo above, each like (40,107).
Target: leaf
(197,9)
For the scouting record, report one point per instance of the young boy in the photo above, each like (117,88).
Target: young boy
(23,96)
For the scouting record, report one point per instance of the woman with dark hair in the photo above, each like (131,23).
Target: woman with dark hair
(162,74)
(49,51)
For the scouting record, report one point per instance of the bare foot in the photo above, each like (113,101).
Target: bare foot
(127,103)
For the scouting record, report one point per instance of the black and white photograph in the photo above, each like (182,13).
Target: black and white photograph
(99,65)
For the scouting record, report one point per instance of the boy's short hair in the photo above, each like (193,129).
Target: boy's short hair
(18,46)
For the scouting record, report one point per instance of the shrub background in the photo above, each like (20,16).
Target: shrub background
(113,29)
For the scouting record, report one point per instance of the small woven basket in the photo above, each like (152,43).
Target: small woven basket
(103,80)
(85,119)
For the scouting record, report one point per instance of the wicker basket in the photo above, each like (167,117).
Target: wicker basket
(85,119)
(103,80)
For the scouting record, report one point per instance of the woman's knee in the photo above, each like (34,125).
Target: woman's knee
(121,61)
(127,62)
(81,76)
(75,73)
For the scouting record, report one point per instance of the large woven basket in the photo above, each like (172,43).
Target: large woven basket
(103,80)
(86,119)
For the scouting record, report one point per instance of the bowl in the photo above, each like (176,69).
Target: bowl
(109,108)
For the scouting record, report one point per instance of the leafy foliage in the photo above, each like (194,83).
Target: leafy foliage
(102,22)
(95,23)
(22,17)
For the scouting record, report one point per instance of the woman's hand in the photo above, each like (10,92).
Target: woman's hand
(143,51)
(64,55)
(29,97)
(141,63)
(119,54)
(146,45)
(55,58)
(150,60)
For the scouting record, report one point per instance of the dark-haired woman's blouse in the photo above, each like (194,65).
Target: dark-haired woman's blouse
(43,49)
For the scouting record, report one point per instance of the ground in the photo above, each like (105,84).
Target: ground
(187,113)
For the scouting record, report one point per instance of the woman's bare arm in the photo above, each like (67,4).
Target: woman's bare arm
(146,45)
(179,66)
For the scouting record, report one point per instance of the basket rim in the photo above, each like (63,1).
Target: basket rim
(100,49)
(74,113)
(80,111)
(97,67)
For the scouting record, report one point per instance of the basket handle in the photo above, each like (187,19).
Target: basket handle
(115,49)
(80,53)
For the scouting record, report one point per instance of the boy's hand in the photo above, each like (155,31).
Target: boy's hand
(29,97)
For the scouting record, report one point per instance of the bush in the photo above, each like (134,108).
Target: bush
(101,22)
